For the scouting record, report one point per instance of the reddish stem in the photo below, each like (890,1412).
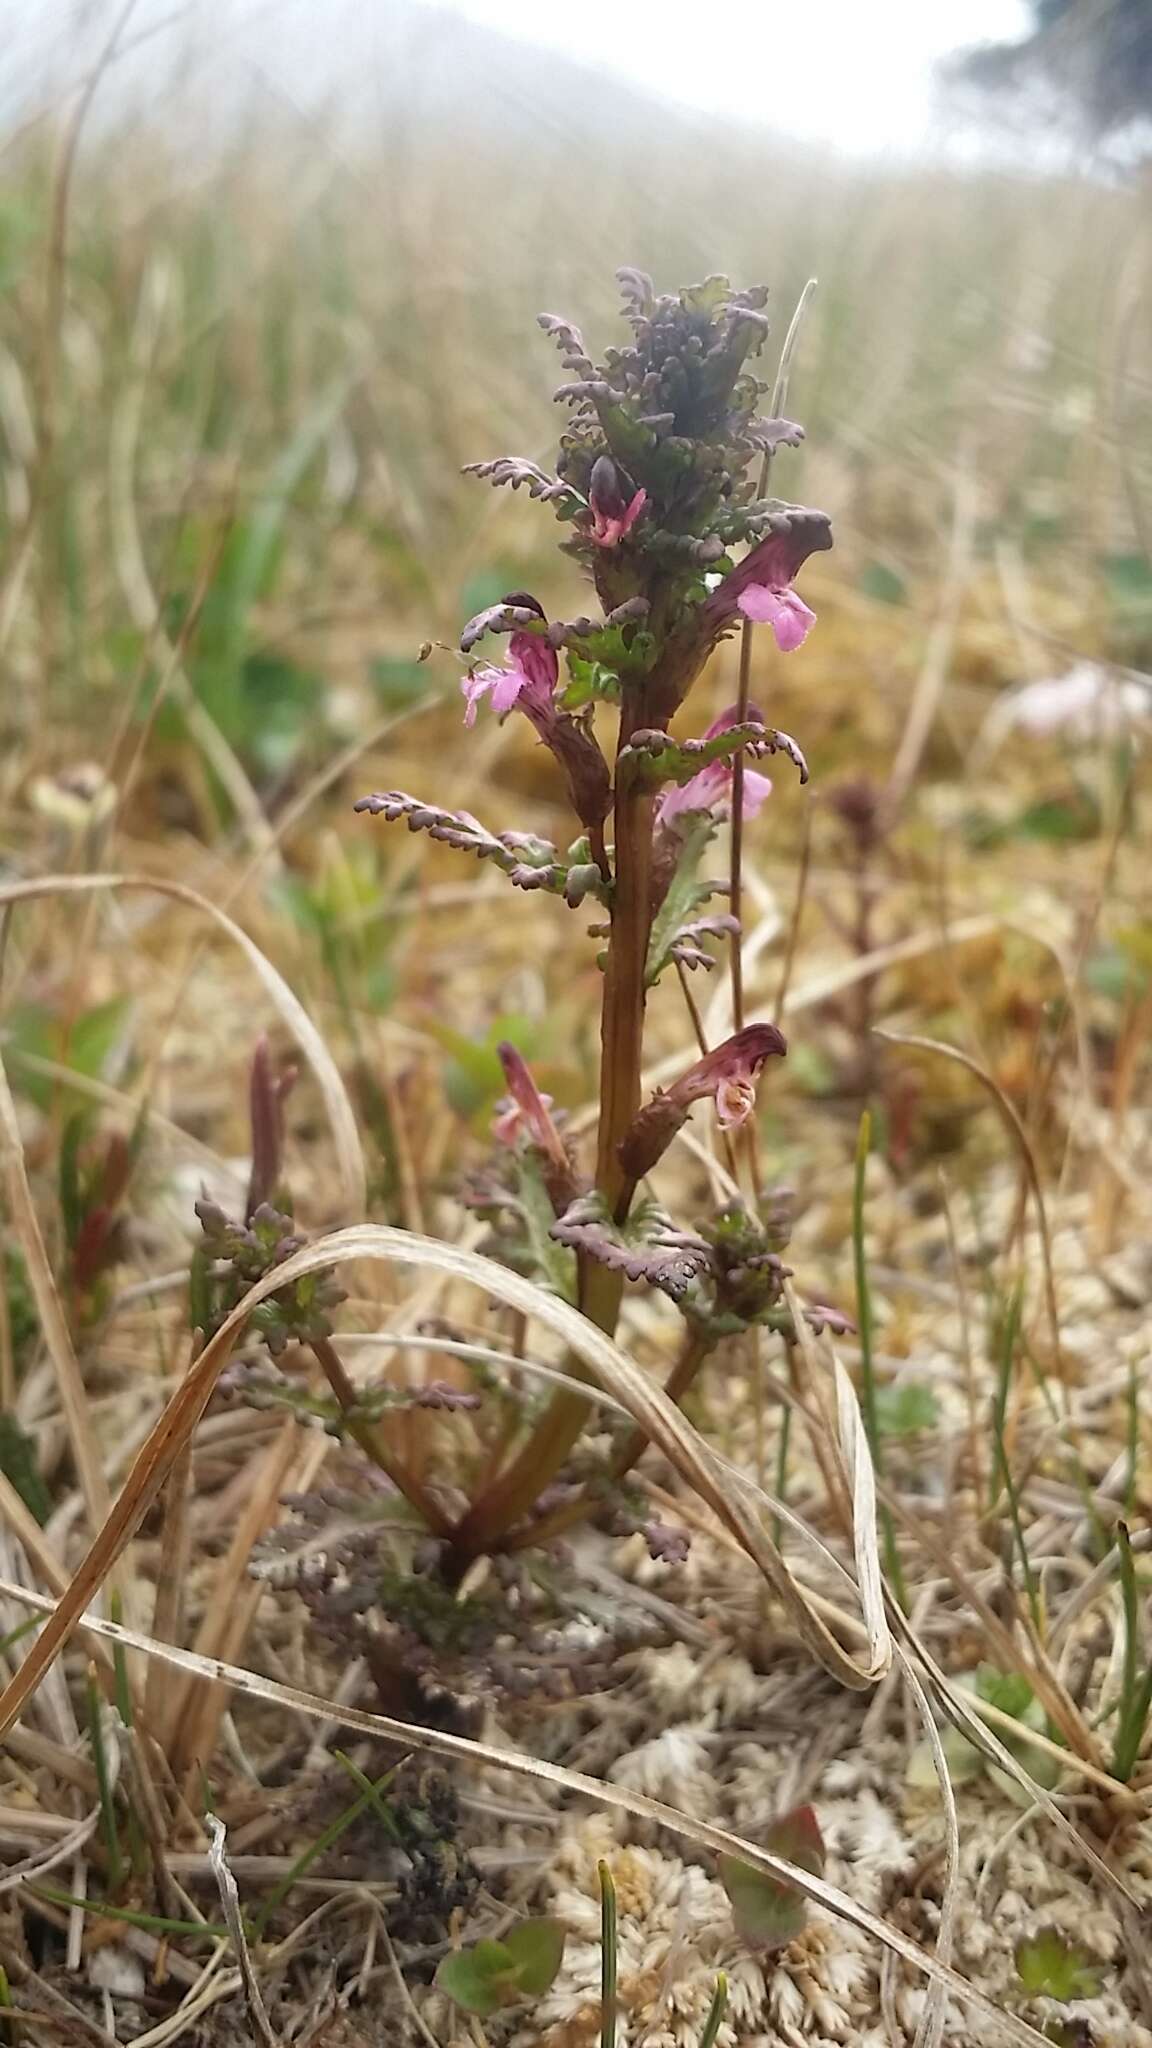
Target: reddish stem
(510,1498)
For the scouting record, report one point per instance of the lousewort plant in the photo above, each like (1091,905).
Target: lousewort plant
(659,490)
(655,493)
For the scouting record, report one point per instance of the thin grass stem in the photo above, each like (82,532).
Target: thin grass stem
(609,1956)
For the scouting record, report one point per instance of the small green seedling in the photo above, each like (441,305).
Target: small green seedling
(769,1914)
(904,1411)
(1048,1966)
(492,1974)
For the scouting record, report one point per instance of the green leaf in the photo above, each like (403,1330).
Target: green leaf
(1122,970)
(1048,1966)
(19,1466)
(491,1974)
(901,1411)
(882,583)
(623,650)
(85,1049)
(709,296)
(22,1317)
(1128,578)
(1057,821)
(673,762)
(94,1037)
(473,1076)
(277,708)
(379,987)
(478,1978)
(1053,821)
(1006,1690)
(488,587)
(628,440)
(72,1194)
(537,1950)
(555,1267)
(592,682)
(767,1914)
(398,683)
(685,895)
(962,1757)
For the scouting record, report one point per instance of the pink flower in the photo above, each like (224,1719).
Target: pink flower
(614,513)
(524,1113)
(510,1122)
(711,787)
(528,679)
(790,618)
(729,1074)
(760,587)
(514,1120)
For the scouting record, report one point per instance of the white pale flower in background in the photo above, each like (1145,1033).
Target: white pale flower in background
(1092,702)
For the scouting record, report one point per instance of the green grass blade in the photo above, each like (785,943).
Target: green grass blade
(153,1923)
(308,1856)
(1135,1692)
(715,2013)
(372,1792)
(120,1666)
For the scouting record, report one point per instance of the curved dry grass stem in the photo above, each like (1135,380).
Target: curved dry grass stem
(1014,1124)
(661,1421)
(818,989)
(461,1749)
(230,1901)
(341,1116)
(931,2026)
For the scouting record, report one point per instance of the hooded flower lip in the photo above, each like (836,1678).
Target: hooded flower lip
(711,788)
(760,587)
(526,1113)
(527,679)
(728,1074)
(614,512)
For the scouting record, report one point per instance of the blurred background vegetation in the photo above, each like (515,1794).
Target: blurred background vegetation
(246,345)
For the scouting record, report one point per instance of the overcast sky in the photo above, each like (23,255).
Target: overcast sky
(858,73)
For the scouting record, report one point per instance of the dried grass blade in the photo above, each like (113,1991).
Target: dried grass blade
(658,1417)
(931,2025)
(1012,1120)
(461,1749)
(230,1900)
